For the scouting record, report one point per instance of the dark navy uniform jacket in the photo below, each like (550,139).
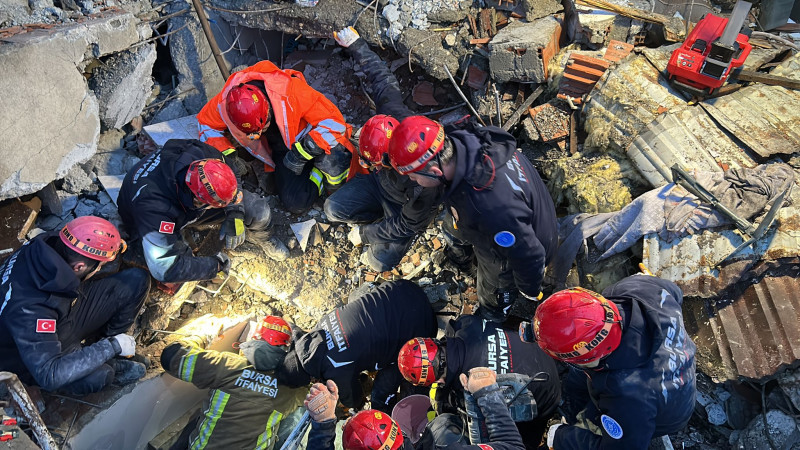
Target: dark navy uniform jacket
(155,205)
(37,290)
(364,335)
(646,387)
(420,204)
(473,342)
(496,190)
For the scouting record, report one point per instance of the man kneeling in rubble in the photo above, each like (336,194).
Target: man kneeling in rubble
(247,407)
(51,306)
(295,131)
(187,184)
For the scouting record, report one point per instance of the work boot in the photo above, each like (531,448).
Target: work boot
(272,246)
(126,371)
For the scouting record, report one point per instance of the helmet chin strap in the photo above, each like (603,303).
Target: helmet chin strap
(441,178)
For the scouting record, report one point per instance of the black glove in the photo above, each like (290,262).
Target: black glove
(232,229)
(300,154)
(506,298)
(224,266)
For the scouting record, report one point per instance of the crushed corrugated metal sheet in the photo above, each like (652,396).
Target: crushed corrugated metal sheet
(624,101)
(690,261)
(765,118)
(667,139)
(753,335)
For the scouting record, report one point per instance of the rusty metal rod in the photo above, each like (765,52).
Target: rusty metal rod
(223,68)
(463,97)
(29,410)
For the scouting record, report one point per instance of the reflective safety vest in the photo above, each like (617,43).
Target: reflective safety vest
(297,108)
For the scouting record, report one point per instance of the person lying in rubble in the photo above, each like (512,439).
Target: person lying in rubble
(363,335)
(187,184)
(632,367)
(387,209)
(496,205)
(247,407)
(299,135)
(52,303)
(471,342)
(372,429)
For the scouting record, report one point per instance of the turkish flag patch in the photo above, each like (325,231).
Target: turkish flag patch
(485,447)
(45,325)
(166,227)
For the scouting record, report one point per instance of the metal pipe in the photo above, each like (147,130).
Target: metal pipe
(223,68)
(463,97)
(29,410)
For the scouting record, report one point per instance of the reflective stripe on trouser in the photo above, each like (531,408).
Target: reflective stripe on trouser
(335,166)
(268,437)
(215,408)
(316,177)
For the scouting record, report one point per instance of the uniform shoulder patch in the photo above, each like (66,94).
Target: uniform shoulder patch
(45,325)
(611,426)
(485,447)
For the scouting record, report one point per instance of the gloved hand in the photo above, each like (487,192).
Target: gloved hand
(479,378)
(355,235)
(346,36)
(232,229)
(551,434)
(645,270)
(321,401)
(126,343)
(301,153)
(224,266)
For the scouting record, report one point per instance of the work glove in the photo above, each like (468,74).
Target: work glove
(645,270)
(355,235)
(479,378)
(346,36)
(224,266)
(321,401)
(301,153)
(551,434)
(232,229)
(126,343)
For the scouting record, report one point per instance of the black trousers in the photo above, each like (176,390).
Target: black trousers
(105,307)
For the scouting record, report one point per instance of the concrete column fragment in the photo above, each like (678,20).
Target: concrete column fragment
(521,51)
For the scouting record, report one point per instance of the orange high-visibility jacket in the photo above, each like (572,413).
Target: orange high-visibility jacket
(298,109)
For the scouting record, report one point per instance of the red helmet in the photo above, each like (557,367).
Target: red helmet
(376,133)
(274,330)
(372,430)
(212,182)
(248,108)
(577,326)
(417,361)
(93,237)
(415,142)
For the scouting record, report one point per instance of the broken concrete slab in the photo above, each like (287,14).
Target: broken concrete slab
(183,128)
(536,9)
(782,429)
(33,157)
(123,84)
(112,184)
(303,232)
(521,51)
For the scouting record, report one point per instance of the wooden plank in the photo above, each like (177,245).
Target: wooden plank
(523,108)
(765,78)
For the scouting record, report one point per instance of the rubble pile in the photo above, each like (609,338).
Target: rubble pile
(585,92)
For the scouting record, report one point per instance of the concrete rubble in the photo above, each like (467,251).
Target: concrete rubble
(602,124)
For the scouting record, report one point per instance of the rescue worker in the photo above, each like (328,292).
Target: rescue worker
(246,407)
(632,368)
(372,429)
(363,335)
(187,184)
(471,342)
(284,123)
(387,209)
(51,304)
(496,204)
